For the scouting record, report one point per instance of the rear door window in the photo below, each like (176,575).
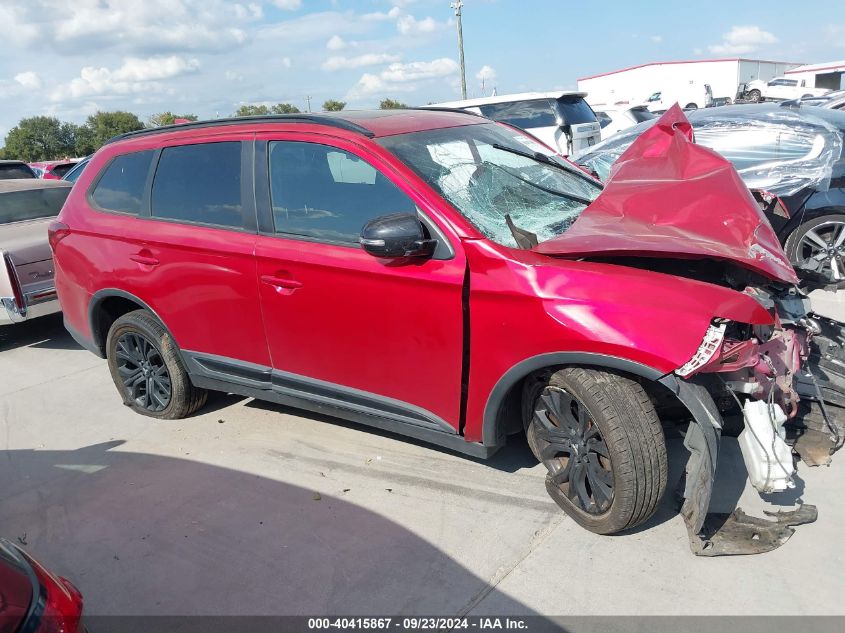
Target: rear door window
(328,194)
(523,114)
(121,186)
(199,184)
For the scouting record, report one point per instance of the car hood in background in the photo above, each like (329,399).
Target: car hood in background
(780,149)
(668,197)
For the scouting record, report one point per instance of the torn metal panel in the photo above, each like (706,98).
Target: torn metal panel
(669,196)
(702,441)
(738,534)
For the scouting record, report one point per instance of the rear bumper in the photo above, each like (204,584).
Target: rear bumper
(36,304)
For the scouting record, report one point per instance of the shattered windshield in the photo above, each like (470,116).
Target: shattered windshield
(490,172)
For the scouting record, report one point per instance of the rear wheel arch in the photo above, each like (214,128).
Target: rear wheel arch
(108,305)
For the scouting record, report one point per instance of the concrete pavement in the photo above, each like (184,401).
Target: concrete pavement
(253,508)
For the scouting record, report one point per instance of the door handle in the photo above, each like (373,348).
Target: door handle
(281,282)
(145,259)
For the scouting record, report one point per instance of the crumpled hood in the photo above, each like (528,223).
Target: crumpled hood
(668,197)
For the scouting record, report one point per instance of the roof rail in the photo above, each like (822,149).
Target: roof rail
(447,109)
(333,121)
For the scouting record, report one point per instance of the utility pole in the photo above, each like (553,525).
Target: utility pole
(308,99)
(457,6)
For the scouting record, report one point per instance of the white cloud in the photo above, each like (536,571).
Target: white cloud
(288,5)
(28,80)
(336,43)
(656,39)
(487,73)
(742,39)
(135,75)
(339,62)
(409,25)
(378,16)
(128,26)
(402,77)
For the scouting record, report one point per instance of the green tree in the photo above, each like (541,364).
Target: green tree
(252,110)
(168,118)
(84,143)
(332,105)
(104,125)
(41,138)
(391,104)
(285,108)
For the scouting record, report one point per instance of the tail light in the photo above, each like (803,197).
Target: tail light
(56,232)
(60,603)
(17,292)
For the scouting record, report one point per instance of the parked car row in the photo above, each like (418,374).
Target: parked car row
(52,169)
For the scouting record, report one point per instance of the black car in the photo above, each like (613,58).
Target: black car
(791,158)
(11,169)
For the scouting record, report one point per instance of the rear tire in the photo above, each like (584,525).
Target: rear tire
(621,444)
(147,370)
(691,106)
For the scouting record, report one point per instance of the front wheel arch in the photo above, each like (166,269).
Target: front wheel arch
(506,396)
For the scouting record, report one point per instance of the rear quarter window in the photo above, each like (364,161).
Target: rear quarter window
(121,185)
(522,114)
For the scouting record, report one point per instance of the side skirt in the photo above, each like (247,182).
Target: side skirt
(264,383)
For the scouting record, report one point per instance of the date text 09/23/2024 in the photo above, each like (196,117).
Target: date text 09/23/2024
(417,623)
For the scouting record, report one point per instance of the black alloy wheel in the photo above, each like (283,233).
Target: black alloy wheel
(143,372)
(573,450)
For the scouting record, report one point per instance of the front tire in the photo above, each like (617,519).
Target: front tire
(147,370)
(600,439)
(755,96)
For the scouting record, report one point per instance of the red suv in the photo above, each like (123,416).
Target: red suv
(442,276)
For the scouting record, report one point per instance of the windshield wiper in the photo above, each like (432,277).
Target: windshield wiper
(554,192)
(526,240)
(540,157)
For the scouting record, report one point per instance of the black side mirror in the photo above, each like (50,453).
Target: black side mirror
(397,235)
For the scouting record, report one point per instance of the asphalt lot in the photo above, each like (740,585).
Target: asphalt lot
(251,508)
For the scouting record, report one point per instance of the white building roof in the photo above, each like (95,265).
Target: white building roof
(815,68)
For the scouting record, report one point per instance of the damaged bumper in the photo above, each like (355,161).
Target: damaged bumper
(809,386)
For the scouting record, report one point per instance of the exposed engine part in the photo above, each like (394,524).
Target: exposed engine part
(737,533)
(767,456)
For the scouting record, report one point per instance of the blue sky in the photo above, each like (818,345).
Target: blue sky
(71,58)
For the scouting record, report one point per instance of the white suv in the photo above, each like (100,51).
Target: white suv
(562,120)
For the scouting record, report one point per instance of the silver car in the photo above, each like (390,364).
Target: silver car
(27,206)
